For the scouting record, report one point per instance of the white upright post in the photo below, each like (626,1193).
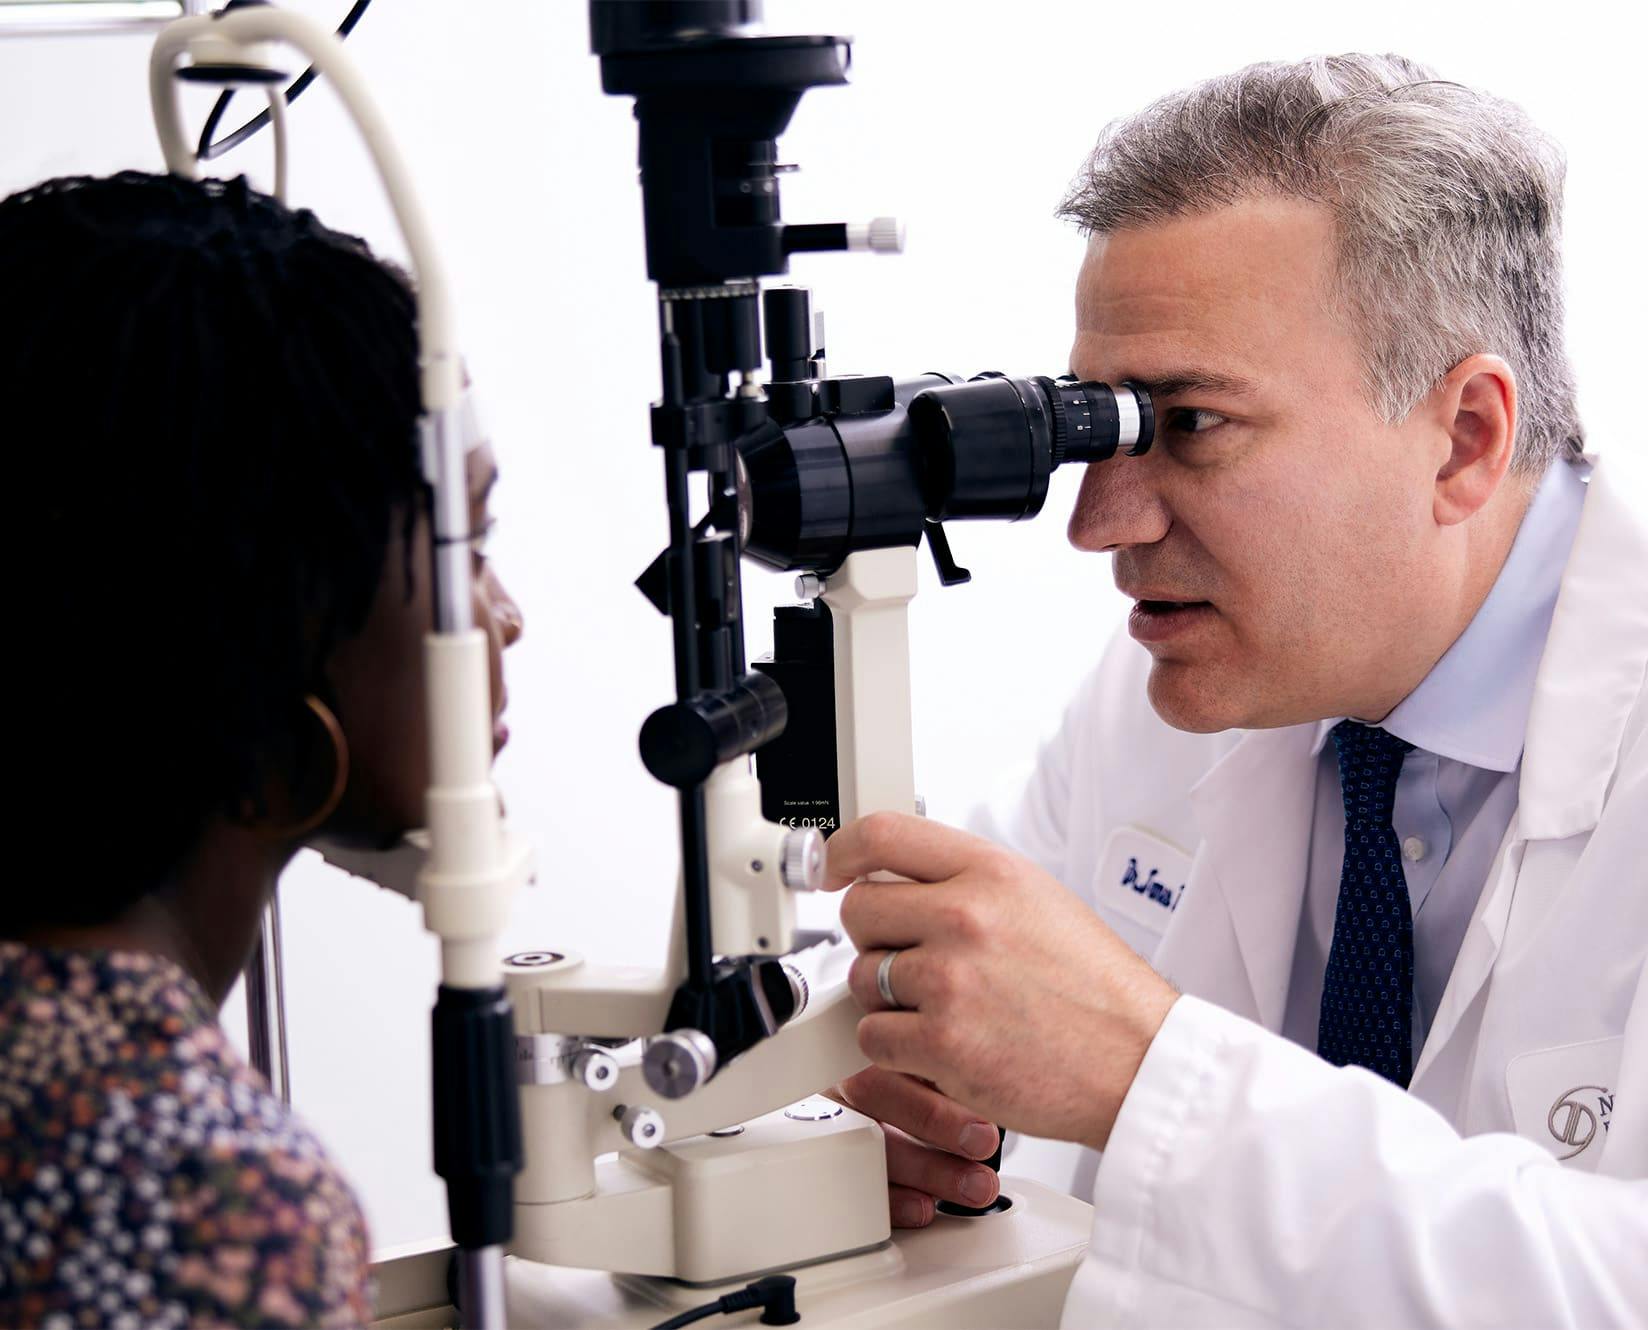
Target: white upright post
(869,599)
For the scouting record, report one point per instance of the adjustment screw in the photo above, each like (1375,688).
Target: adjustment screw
(800,993)
(641,1127)
(677,1063)
(595,1068)
(809,586)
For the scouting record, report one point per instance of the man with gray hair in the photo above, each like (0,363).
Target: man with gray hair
(1323,916)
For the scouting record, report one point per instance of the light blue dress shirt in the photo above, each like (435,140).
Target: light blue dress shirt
(1458,788)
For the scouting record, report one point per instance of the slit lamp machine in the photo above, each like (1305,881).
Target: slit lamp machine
(649,1146)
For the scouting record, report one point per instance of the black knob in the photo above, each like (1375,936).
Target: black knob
(681,744)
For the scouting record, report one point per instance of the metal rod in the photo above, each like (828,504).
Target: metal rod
(277,122)
(481,1288)
(266,1004)
(695,855)
(725,484)
(695,858)
(683,592)
(445,464)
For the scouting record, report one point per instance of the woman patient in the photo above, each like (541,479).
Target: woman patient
(210,405)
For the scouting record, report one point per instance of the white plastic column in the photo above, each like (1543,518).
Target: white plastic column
(869,598)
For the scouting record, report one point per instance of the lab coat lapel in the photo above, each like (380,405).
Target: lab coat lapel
(1588,686)
(1477,953)
(1233,934)
(1591,676)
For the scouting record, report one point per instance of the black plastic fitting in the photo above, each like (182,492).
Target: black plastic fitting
(682,743)
(477,1113)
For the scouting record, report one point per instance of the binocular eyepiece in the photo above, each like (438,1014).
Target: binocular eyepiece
(987,446)
(854,464)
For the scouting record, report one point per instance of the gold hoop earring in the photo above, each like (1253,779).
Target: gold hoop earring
(340,770)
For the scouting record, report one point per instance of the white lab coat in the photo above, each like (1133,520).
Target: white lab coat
(1249,1183)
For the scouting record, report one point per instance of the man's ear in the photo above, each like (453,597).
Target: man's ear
(1475,408)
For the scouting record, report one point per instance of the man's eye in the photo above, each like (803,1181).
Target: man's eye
(1192,420)
(478,540)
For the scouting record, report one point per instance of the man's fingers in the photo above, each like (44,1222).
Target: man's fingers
(919,1111)
(938,1173)
(901,843)
(864,984)
(893,1041)
(910,1208)
(906,973)
(903,914)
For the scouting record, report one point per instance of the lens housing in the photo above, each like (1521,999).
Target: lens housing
(825,487)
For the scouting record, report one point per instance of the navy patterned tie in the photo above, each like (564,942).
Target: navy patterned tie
(1367,992)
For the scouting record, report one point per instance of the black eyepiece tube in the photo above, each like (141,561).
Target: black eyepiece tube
(828,486)
(984,448)
(987,446)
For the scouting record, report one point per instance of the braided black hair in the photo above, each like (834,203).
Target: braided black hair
(211,403)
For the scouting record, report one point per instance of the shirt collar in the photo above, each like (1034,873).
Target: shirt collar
(1473,705)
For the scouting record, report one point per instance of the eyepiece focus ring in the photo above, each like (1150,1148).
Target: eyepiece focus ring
(1138,417)
(1055,409)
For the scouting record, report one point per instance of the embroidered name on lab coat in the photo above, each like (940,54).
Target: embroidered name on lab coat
(1141,877)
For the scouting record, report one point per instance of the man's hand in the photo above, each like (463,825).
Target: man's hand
(932,1143)
(1014,997)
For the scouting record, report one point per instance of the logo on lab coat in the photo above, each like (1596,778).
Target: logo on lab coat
(1571,1123)
(1578,1114)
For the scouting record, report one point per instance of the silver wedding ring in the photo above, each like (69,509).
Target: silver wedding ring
(884,981)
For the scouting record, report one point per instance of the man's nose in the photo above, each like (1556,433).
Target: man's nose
(1118,505)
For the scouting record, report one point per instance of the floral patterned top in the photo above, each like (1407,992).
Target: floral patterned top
(148,1176)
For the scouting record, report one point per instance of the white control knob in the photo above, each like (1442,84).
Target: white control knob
(801,865)
(641,1127)
(595,1068)
(880,235)
(677,1063)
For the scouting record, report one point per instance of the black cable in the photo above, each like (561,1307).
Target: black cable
(688,1317)
(775,1293)
(206,150)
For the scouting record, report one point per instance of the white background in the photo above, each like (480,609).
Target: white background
(964,119)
